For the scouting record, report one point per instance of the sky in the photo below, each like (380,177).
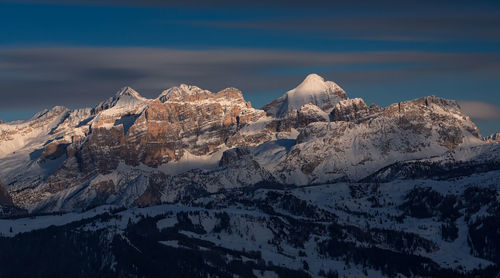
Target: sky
(77,53)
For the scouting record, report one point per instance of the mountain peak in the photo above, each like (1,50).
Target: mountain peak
(494,138)
(181,93)
(312,83)
(128,91)
(314,89)
(126,97)
(56,110)
(438,101)
(191,93)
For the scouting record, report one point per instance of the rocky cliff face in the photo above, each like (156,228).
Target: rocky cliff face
(494,138)
(183,121)
(415,129)
(368,139)
(353,110)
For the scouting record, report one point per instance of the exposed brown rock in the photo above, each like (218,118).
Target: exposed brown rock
(353,110)
(182,119)
(54,150)
(310,113)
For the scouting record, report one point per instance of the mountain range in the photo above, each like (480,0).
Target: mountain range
(313,184)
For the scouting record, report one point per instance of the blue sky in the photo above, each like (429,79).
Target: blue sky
(77,53)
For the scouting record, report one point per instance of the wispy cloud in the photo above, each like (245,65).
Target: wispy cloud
(479,110)
(390,27)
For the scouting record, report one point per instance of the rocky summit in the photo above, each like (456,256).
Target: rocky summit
(315,184)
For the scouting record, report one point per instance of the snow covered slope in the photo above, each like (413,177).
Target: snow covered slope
(125,100)
(314,89)
(416,129)
(425,227)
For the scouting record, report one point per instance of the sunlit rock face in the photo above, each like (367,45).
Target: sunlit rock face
(181,120)
(353,110)
(182,124)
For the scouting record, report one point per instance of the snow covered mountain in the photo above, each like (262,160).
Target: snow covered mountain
(193,138)
(311,173)
(314,90)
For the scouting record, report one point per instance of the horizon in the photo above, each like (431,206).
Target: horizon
(78,53)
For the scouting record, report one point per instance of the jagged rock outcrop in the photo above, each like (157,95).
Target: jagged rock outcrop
(290,125)
(310,113)
(409,130)
(494,138)
(353,110)
(54,150)
(183,121)
(233,155)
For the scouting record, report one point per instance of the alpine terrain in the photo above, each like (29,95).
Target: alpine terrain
(201,184)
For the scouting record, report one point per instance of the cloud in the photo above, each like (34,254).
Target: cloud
(77,77)
(389,27)
(479,110)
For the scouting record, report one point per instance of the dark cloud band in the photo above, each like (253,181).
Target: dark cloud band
(32,77)
(479,110)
